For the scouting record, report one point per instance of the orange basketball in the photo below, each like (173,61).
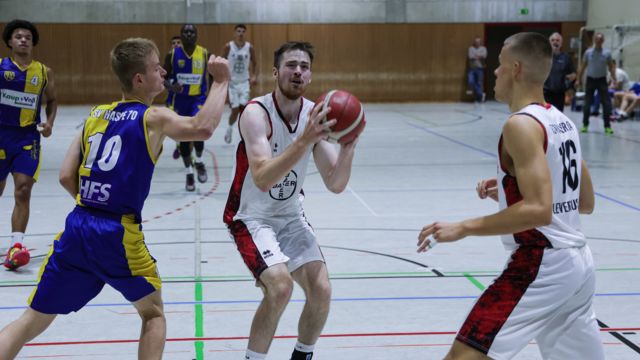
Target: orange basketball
(348,112)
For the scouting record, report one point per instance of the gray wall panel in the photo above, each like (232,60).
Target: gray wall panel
(291,11)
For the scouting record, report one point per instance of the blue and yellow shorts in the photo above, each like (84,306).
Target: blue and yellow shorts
(187,105)
(19,151)
(95,248)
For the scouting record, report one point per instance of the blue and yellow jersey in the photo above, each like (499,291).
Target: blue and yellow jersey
(190,71)
(21,92)
(117,161)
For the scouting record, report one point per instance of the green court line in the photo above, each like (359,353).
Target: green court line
(332,275)
(474,281)
(199,345)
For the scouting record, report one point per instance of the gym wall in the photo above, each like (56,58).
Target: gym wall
(392,50)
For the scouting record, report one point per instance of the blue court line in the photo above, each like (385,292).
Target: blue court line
(494,156)
(450,139)
(618,201)
(257,301)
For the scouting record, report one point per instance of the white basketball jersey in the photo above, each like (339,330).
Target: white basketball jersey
(239,61)
(564,158)
(246,201)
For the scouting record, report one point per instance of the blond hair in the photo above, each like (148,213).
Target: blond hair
(128,58)
(534,50)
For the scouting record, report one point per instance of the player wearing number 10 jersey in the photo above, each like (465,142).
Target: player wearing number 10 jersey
(545,291)
(108,169)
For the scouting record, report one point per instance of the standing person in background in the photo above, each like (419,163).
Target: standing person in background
(175,42)
(187,78)
(242,61)
(561,75)
(477,56)
(596,61)
(24,85)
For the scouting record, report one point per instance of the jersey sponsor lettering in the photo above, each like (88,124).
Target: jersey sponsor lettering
(285,188)
(566,206)
(189,79)
(111,115)
(561,127)
(18,99)
(93,191)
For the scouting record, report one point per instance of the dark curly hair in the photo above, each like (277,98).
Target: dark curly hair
(20,24)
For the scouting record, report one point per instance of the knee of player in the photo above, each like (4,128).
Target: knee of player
(22,192)
(151,313)
(279,292)
(320,292)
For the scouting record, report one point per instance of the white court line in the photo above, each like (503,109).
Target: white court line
(197,238)
(362,202)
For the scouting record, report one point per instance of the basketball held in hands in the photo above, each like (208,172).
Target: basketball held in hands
(348,112)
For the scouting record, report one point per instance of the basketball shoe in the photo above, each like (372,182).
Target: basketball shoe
(202,172)
(17,256)
(191,183)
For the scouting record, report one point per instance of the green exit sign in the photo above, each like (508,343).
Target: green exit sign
(524,11)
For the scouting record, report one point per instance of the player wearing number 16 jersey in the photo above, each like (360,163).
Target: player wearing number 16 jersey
(543,185)
(108,170)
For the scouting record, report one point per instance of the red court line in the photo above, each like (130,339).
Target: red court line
(214,187)
(227,338)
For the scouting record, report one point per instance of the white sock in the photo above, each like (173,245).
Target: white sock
(198,159)
(623,113)
(304,348)
(252,355)
(189,170)
(17,237)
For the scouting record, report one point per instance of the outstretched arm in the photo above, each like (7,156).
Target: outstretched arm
(163,122)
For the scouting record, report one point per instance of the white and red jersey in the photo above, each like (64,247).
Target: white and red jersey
(564,158)
(246,200)
(239,58)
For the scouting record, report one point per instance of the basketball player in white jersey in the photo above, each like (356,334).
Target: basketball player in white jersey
(279,133)
(242,63)
(545,291)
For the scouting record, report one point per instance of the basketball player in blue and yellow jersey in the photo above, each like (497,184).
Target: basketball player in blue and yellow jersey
(187,78)
(108,170)
(25,84)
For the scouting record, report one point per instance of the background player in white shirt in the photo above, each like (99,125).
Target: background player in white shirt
(546,289)
(242,63)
